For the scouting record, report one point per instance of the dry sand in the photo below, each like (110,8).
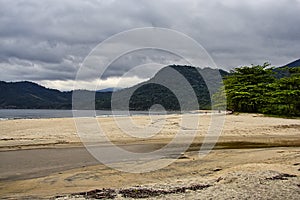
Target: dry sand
(256,158)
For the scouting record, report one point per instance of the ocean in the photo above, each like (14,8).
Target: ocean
(7,114)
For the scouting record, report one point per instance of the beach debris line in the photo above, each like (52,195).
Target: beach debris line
(146,193)
(98,194)
(137,192)
(281,176)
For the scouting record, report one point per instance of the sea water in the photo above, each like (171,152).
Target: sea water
(6,114)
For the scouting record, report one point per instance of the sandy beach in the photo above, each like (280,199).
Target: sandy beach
(255,157)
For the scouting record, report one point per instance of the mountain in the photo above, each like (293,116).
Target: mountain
(283,71)
(28,95)
(171,87)
(111,89)
(295,63)
(31,95)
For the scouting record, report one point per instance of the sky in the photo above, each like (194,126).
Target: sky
(46,41)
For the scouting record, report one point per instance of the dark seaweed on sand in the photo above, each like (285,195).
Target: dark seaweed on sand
(146,193)
(136,193)
(281,177)
(99,194)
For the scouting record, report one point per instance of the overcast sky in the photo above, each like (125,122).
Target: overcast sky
(45,41)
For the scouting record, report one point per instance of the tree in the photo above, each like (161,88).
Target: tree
(219,99)
(284,95)
(246,86)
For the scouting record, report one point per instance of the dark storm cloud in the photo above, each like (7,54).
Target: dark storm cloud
(144,58)
(47,40)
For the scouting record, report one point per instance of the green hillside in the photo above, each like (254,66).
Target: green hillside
(28,95)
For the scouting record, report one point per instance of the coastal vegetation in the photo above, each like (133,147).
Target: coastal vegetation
(252,89)
(261,89)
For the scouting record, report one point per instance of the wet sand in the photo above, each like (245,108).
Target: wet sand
(35,163)
(44,159)
(224,170)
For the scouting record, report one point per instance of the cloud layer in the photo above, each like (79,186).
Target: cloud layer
(45,41)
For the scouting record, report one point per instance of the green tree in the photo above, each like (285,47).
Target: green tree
(219,99)
(284,95)
(246,86)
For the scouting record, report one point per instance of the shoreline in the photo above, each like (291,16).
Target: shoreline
(63,113)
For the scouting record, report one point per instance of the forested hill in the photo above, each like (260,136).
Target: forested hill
(28,95)
(171,90)
(296,63)
(31,95)
(284,71)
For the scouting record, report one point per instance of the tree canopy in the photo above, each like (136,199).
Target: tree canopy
(255,89)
